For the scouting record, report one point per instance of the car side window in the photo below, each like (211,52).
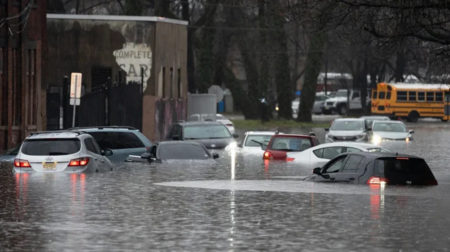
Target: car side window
(331,152)
(352,164)
(318,153)
(351,149)
(90,146)
(117,140)
(336,165)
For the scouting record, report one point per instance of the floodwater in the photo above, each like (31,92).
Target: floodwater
(192,206)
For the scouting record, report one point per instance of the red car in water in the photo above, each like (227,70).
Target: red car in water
(280,144)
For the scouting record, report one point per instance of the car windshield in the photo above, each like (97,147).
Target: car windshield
(254,140)
(205,132)
(50,147)
(347,125)
(389,127)
(403,170)
(290,143)
(181,151)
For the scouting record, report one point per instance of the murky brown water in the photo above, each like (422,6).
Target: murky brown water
(191,206)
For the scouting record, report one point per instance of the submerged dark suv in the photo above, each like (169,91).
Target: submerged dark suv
(214,135)
(375,168)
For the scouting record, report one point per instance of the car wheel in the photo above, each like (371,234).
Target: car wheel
(342,109)
(326,112)
(413,116)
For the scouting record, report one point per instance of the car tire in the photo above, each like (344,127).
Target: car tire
(342,109)
(326,111)
(413,116)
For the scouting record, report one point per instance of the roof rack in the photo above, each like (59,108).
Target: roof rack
(78,132)
(105,127)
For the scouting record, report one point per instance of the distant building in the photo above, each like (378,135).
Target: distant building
(22,49)
(134,70)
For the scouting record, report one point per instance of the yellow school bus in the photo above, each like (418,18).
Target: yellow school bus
(411,101)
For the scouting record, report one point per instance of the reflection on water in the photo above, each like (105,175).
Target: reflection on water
(186,206)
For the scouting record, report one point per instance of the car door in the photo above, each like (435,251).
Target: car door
(96,158)
(329,171)
(349,171)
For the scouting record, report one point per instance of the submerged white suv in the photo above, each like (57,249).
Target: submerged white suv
(61,151)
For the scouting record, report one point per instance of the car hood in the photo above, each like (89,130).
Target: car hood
(391,135)
(217,143)
(345,132)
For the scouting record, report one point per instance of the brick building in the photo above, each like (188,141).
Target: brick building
(22,95)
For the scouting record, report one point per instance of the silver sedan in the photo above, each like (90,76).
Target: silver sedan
(319,155)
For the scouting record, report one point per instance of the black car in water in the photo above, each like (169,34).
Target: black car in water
(214,135)
(375,168)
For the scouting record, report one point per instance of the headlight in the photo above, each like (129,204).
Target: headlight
(376,140)
(407,139)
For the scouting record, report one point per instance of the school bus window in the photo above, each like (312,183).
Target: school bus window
(421,96)
(381,95)
(388,95)
(412,95)
(374,95)
(401,96)
(430,96)
(439,96)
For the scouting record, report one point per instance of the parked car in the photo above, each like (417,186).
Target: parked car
(390,131)
(319,155)
(340,103)
(368,120)
(9,155)
(255,142)
(213,117)
(319,102)
(65,151)
(177,150)
(347,129)
(225,121)
(214,135)
(375,168)
(123,141)
(280,144)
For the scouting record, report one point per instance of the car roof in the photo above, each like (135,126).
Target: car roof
(268,133)
(390,121)
(199,123)
(292,135)
(54,134)
(374,117)
(375,155)
(348,119)
(104,128)
(347,144)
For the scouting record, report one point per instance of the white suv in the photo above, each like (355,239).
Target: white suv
(61,151)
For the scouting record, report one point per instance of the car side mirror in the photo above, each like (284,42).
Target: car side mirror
(215,155)
(317,171)
(106,152)
(411,131)
(235,136)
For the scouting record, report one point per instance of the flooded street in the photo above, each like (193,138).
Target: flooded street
(191,206)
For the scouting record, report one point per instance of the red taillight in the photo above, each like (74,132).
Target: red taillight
(290,159)
(21,163)
(402,158)
(79,162)
(376,180)
(267,155)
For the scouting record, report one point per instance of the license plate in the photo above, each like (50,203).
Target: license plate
(49,165)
